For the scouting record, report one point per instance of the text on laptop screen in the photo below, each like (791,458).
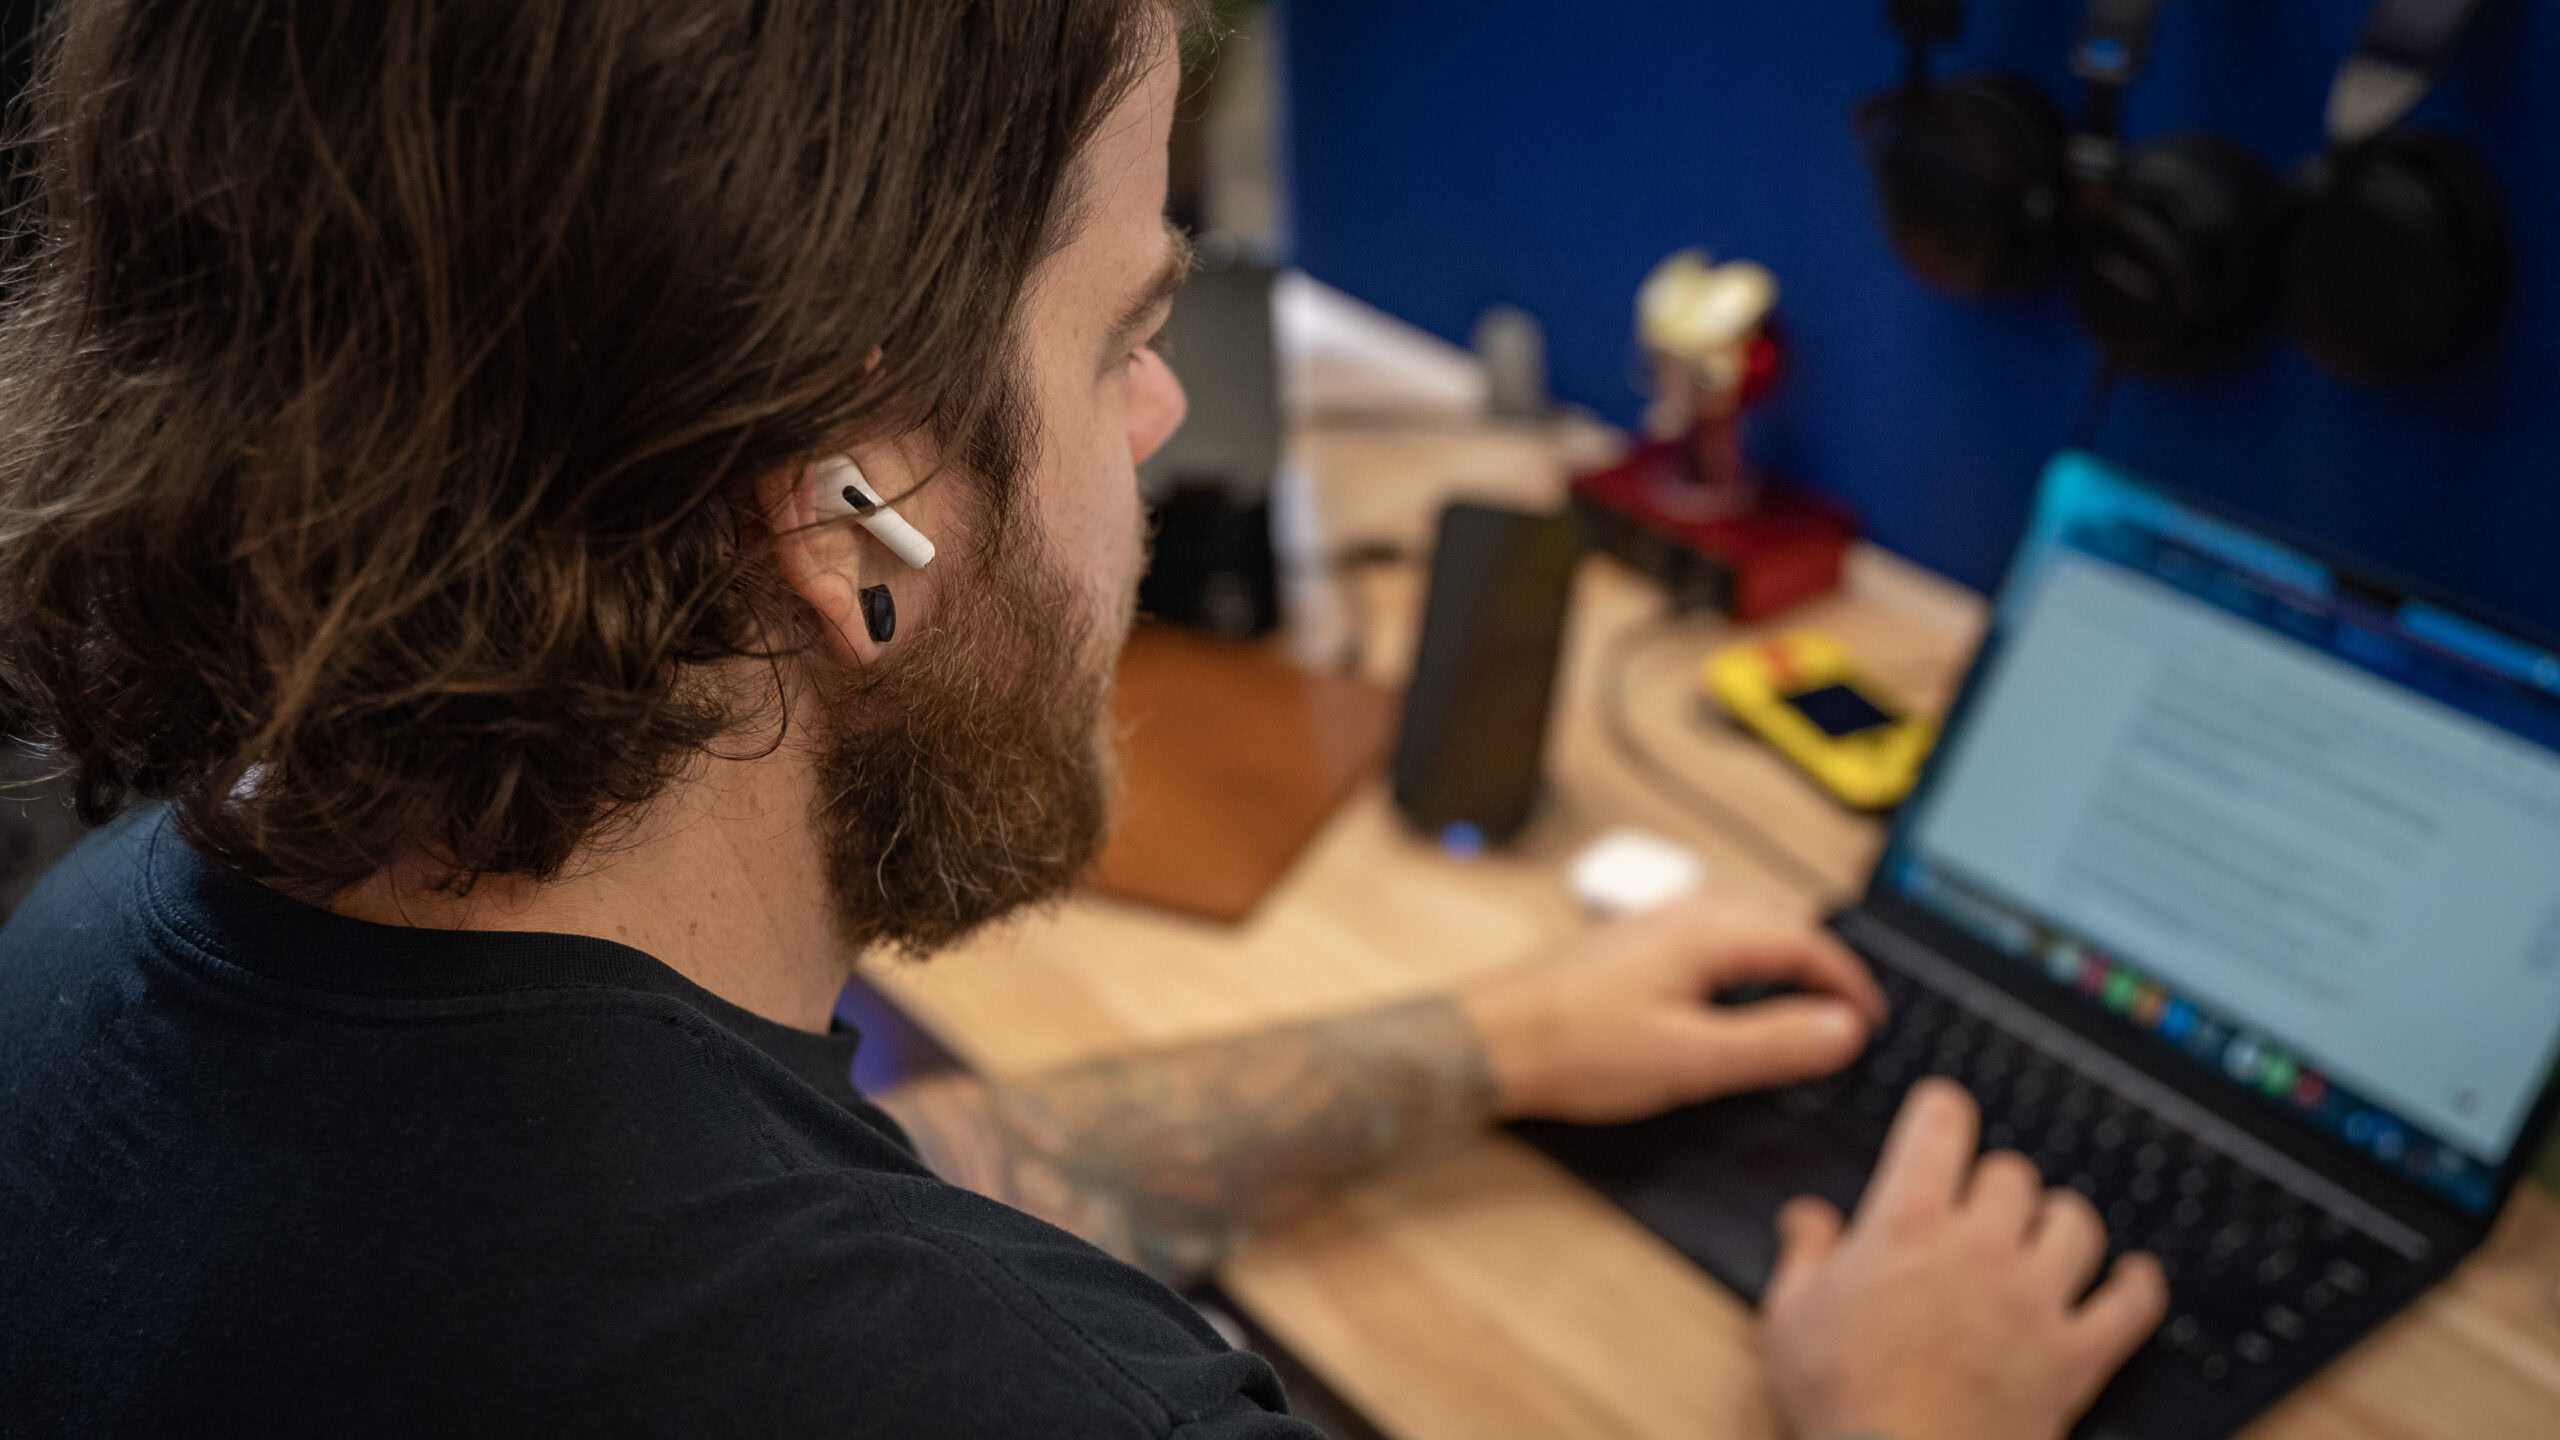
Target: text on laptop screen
(2304,830)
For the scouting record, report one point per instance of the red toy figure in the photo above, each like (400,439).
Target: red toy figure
(1691,507)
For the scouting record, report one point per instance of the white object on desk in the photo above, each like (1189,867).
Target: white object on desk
(1628,872)
(1342,356)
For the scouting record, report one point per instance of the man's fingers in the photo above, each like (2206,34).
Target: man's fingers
(2069,1241)
(2118,1316)
(2004,1194)
(1735,945)
(1808,1231)
(1775,1042)
(1927,1156)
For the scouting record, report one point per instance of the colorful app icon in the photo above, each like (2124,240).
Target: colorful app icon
(2148,1003)
(2308,1088)
(2177,1020)
(2208,1039)
(2093,974)
(2062,960)
(2119,990)
(2388,1139)
(2276,1073)
(2240,1061)
(2359,1127)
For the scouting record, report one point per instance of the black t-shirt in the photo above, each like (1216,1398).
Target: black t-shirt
(267,1170)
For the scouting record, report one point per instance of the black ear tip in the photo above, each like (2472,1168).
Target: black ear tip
(879,614)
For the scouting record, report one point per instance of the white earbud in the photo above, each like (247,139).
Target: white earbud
(843,491)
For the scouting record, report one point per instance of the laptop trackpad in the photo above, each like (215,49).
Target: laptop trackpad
(1709,1179)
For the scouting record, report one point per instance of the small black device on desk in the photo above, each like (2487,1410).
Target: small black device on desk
(1470,754)
(1212,566)
(2230,894)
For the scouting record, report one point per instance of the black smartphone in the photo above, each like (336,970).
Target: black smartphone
(1470,758)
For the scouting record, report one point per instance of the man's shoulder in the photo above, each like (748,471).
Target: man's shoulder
(938,1312)
(574,1208)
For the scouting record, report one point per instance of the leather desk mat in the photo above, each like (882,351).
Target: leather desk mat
(1232,757)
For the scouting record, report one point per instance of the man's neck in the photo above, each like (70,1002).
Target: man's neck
(722,881)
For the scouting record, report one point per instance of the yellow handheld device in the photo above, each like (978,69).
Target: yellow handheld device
(1800,693)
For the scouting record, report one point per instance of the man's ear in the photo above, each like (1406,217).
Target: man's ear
(824,564)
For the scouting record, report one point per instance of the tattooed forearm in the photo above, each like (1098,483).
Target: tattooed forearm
(1168,1160)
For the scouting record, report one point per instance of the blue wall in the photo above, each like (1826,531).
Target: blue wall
(1448,155)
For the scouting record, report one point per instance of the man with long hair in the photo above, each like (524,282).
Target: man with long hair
(427,533)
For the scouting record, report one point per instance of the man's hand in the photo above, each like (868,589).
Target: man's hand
(1951,1309)
(1617,1025)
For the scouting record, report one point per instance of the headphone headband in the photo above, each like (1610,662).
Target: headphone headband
(2405,45)
(2108,56)
(1921,24)
(1925,22)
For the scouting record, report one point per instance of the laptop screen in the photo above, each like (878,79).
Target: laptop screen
(2297,826)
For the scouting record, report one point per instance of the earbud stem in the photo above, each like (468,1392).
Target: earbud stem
(842,490)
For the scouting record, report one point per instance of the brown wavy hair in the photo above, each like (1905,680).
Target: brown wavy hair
(381,399)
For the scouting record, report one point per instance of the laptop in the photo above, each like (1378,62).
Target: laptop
(2233,894)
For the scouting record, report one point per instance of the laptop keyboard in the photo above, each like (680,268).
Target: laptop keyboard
(2254,1268)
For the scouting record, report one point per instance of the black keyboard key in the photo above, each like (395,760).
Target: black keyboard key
(1804,1101)
(2253,1347)
(2284,1323)
(2078,1103)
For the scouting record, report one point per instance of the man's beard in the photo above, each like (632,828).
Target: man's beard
(963,777)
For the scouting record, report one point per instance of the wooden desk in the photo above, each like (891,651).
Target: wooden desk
(1485,1293)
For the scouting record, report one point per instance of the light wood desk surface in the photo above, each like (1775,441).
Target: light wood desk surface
(1485,1294)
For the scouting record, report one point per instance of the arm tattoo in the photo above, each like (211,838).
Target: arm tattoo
(1169,1160)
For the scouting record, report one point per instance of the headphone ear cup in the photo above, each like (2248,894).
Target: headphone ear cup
(2174,258)
(1968,176)
(2395,256)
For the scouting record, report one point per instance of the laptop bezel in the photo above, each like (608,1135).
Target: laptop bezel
(2243,1106)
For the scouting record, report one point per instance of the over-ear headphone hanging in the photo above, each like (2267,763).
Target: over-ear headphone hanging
(2172,239)
(2395,250)
(1985,191)
(1968,173)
